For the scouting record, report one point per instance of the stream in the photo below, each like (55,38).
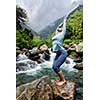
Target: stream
(31,70)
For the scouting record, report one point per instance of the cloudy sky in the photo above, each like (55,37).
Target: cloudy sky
(43,12)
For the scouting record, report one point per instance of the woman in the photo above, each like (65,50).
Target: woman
(61,53)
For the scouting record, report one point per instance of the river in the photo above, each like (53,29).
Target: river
(31,71)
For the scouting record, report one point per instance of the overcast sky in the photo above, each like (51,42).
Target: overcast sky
(43,12)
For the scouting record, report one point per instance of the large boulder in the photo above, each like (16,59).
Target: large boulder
(43,48)
(76,51)
(34,54)
(45,89)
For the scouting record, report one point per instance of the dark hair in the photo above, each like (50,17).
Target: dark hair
(59,30)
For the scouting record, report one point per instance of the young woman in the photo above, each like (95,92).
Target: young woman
(61,53)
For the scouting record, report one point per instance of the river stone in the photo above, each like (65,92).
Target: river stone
(79,66)
(24,49)
(79,47)
(46,56)
(18,52)
(45,89)
(39,61)
(34,51)
(43,48)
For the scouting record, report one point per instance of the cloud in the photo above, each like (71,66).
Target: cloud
(43,12)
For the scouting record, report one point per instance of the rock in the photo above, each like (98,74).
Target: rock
(64,92)
(34,54)
(72,56)
(35,58)
(79,47)
(67,61)
(21,57)
(72,47)
(25,65)
(45,89)
(79,66)
(28,54)
(34,51)
(24,49)
(78,60)
(18,52)
(46,56)
(43,48)
(39,61)
(21,67)
(39,89)
(66,46)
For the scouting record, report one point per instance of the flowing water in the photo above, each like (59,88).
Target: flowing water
(30,71)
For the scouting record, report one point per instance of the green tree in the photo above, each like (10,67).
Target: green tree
(23,39)
(75,25)
(21,17)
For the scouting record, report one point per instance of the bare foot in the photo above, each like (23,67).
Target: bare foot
(60,83)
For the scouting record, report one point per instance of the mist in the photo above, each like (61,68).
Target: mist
(43,12)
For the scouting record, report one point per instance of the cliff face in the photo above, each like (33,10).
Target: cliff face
(45,89)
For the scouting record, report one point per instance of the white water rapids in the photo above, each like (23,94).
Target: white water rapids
(31,67)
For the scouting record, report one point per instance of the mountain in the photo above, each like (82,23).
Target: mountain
(43,12)
(48,30)
(25,26)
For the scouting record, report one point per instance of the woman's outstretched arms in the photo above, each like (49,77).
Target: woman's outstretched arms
(61,34)
(64,27)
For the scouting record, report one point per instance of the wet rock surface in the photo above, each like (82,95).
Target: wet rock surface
(45,89)
(43,48)
(79,66)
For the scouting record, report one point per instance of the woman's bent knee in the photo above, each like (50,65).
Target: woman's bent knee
(65,54)
(56,69)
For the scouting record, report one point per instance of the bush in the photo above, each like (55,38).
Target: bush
(23,39)
(69,41)
(75,25)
